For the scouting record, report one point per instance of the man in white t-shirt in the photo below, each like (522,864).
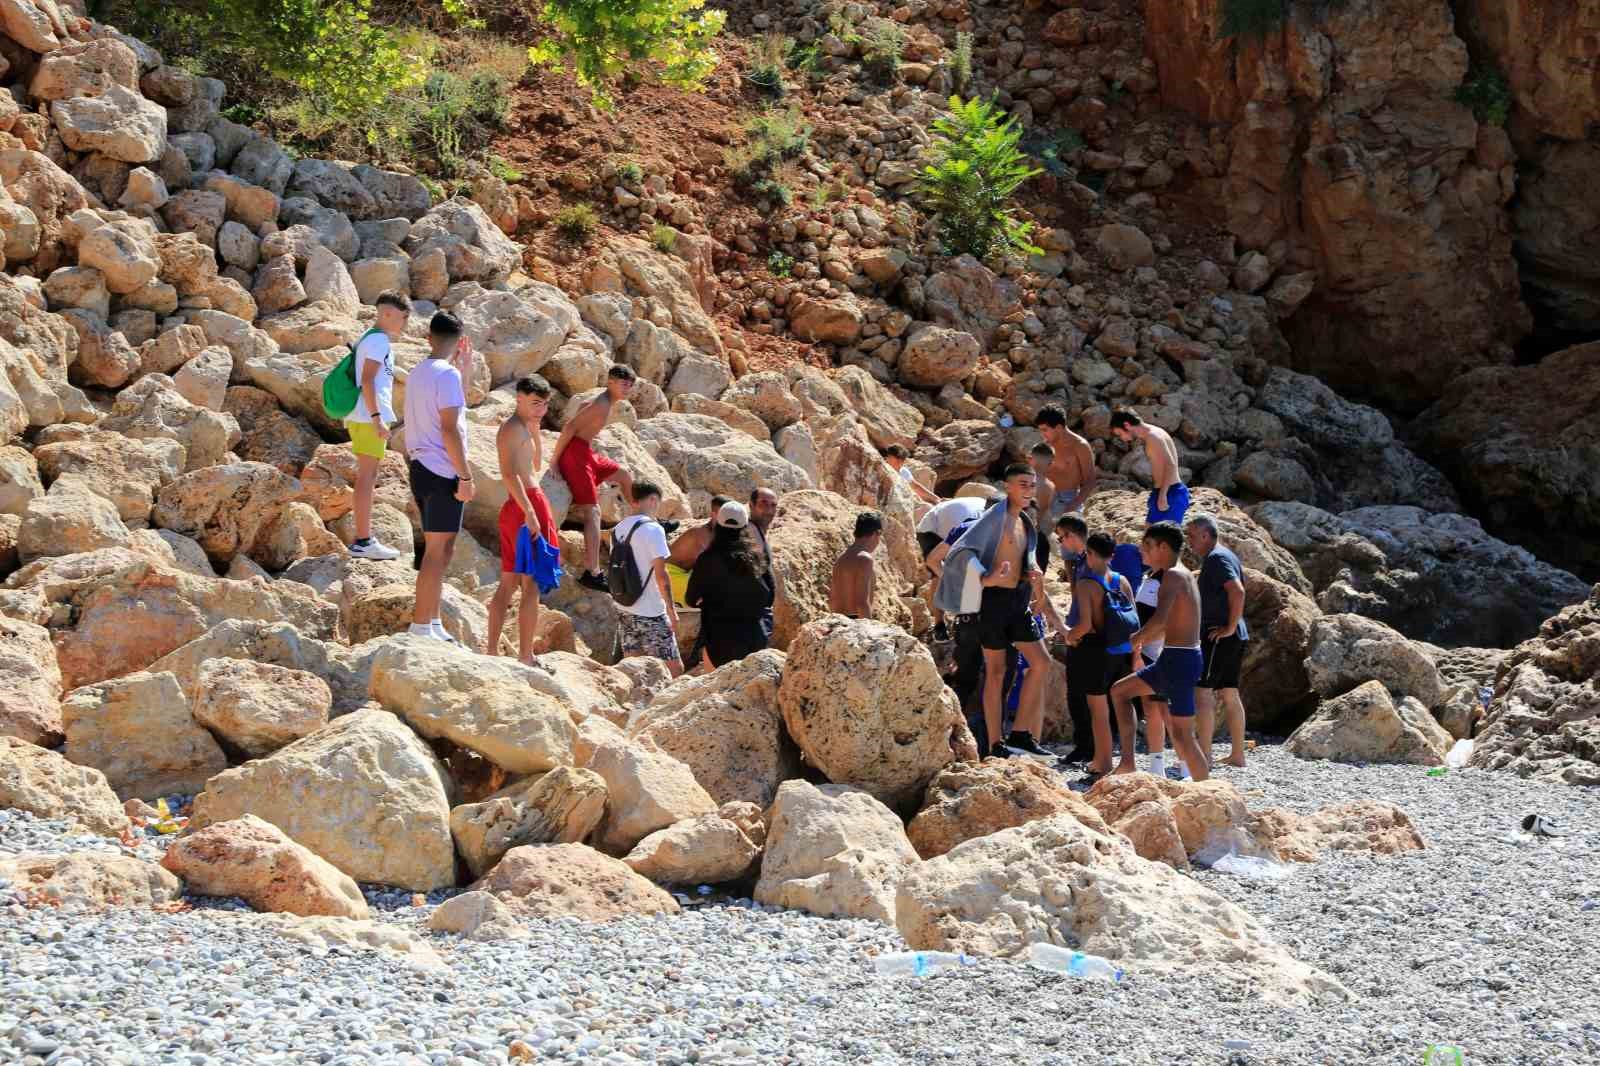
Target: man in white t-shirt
(649,625)
(895,456)
(373,417)
(436,441)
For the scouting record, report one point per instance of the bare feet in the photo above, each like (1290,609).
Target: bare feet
(1236,759)
(1097,770)
(1125,768)
(533,661)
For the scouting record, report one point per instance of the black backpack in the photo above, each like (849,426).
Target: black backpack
(622,571)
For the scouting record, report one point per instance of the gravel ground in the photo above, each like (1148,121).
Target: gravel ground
(1487,941)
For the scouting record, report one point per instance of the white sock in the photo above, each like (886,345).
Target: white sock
(420,631)
(1158,765)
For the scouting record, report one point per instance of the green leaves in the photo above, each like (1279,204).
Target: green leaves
(975,167)
(602,38)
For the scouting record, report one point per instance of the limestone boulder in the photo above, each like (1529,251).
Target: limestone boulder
(709,849)
(139,732)
(153,409)
(967,295)
(256,861)
(936,355)
(682,286)
(969,800)
(125,257)
(698,453)
(266,643)
(119,123)
(962,449)
(570,880)
(889,420)
(256,708)
(765,395)
(834,851)
(1347,651)
(563,806)
(475,246)
(203,380)
(30,683)
(1368,826)
(90,880)
(1273,682)
(1367,725)
(19,479)
(69,519)
(1057,881)
(725,726)
(363,792)
(228,509)
(477,916)
(647,789)
(866,705)
(811,530)
(1201,815)
(386,607)
(45,784)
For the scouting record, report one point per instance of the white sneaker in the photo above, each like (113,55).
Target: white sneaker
(439,633)
(374,549)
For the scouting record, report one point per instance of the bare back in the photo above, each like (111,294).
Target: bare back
(690,545)
(1045,494)
(1180,594)
(1163,455)
(591,419)
(1069,470)
(850,590)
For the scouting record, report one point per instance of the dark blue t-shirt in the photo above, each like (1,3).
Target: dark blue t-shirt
(1220,567)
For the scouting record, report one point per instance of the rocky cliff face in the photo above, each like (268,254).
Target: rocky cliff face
(1342,150)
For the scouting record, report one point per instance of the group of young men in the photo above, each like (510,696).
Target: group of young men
(1150,635)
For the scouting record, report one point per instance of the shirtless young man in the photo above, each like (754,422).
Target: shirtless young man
(1170,497)
(692,543)
(521,453)
(894,457)
(585,471)
(850,588)
(1041,458)
(1172,678)
(1012,590)
(1073,473)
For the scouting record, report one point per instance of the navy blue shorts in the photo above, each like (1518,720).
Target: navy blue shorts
(1173,677)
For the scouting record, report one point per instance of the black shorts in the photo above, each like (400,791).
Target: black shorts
(1005,618)
(1091,670)
(436,499)
(927,542)
(1223,659)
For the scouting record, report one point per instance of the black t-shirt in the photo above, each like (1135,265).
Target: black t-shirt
(1220,567)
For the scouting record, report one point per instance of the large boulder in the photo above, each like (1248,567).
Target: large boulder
(936,355)
(477,916)
(1273,684)
(1057,881)
(647,790)
(833,850)
(256,708)
(699,453)
(515,337)
(1366,725)
(90,880)
(364,793)
(1522,445)
(263,642)
(69,519)
(1369,826)
(511,714)
(726,727)
(572,881)
(563,806)
(125,471)
(963,448)
(811,530)
(632,267)
(43,783)
(866,705)
(254,860)
(228,509)
(153,408)
(889,419)
(119,124)
(708,849)
(969,800)
(1348,650)
(30,683)
(1171,821)
(1544,720)
(472,243)
(1434,577)
(138,731)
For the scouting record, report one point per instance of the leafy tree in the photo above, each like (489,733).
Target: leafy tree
(975,167)
(602,37)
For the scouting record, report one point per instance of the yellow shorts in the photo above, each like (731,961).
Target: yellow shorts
(678,579)
(364,440)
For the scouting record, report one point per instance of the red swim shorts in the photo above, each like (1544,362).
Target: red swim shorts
(511,521)
(584,470)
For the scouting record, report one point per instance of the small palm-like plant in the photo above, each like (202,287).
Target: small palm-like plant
(974,168)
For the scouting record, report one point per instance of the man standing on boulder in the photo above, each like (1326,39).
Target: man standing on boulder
(895,456)
(854,574)
(527,527)
(1073,473)
(1171,679)
(370,421)
(1169,500)
(649,625)
(585,471)
(441,480)
(1223,635)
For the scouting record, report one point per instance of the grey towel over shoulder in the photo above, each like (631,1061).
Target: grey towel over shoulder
(979,543)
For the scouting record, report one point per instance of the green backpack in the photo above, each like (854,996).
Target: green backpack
(340,389)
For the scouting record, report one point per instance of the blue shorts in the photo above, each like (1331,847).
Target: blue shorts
(1177,506)
(1173,677)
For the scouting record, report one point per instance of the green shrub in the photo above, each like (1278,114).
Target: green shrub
(961,62)
(1050,149)
(767,63)
(503,170)
(774,137)
(664,237)
(806,59)
(577,224)
(1252,18)
(780,264)
(1488,94)
(457,116)
(630,173)
(974,168)
(603,39)
(881,48)
(774,189)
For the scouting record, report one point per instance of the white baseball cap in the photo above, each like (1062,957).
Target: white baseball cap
(733,515)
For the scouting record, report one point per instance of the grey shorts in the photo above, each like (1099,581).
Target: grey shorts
(639,635)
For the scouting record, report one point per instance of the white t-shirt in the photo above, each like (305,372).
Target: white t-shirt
(649,544)
(1149,594)
(943,517)
(972,588)
(433,386)
(374,348)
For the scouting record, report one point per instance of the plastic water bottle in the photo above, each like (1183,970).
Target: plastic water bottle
(1076,963)
(919,963)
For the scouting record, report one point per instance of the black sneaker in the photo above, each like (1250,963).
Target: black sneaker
(591,580)
(1021,742)
(941,632)
(1000,751)
(1540,826)
(669,526)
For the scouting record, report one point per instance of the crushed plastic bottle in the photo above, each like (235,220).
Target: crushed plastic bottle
(1485,695)
(1075,963)
(1253,867)
(919,963)
(1459,754)
(1006,421)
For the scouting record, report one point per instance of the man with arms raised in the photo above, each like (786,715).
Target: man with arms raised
(1169,500)
(526,522)
(585,471)
(1223,635)
(1073,474)
(1171,679)
(850,588)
